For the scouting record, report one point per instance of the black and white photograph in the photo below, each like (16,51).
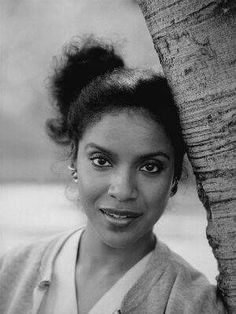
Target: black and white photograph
(117,157)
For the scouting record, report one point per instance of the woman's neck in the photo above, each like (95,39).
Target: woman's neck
(95,255)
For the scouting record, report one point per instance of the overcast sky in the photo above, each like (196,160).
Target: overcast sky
(33,31)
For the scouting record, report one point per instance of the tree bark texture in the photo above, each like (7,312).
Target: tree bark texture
(196,44)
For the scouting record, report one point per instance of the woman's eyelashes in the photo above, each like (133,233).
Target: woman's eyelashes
(102,162)
(152,167)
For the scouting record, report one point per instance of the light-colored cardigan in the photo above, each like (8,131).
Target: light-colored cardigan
(168,285)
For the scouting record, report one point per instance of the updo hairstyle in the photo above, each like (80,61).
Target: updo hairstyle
(91,80)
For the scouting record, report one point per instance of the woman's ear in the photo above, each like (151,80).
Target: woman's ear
(73,172)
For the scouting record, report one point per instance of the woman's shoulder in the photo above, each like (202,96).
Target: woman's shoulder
(186,287)
(32,253)
(176,263)
(169,284)
(26,268)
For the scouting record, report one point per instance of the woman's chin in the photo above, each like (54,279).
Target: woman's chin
(126,240)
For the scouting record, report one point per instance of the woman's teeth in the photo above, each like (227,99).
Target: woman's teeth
(117,216)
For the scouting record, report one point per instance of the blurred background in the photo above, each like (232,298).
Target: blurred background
(37,198)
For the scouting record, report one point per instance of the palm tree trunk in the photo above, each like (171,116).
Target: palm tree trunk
(196,44)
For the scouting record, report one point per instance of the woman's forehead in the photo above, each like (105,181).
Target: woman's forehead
(131,131)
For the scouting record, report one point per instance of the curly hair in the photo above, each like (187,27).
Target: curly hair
(91,80)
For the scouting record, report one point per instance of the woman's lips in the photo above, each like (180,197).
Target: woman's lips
(120,218)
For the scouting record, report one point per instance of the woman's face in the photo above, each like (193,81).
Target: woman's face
(125,167)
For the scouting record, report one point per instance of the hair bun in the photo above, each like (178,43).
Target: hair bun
(81,63)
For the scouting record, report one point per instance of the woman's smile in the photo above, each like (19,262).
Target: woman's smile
(125,176)
(119,217)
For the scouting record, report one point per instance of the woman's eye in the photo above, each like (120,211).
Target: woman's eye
(100,162)
(151,168)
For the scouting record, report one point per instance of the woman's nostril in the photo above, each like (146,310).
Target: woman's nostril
(123,189)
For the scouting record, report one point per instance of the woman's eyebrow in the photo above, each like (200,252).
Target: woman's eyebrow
(140,157)
(100,148)
(154,154)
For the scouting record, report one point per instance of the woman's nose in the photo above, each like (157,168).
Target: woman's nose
(123,186)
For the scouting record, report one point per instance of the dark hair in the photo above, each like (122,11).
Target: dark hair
(92,80)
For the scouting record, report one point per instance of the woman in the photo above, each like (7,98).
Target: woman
(126,152)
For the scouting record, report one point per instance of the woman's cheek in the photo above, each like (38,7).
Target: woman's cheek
(91,189)
(157,195)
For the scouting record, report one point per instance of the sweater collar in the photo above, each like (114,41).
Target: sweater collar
(49,257)
(148,279)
